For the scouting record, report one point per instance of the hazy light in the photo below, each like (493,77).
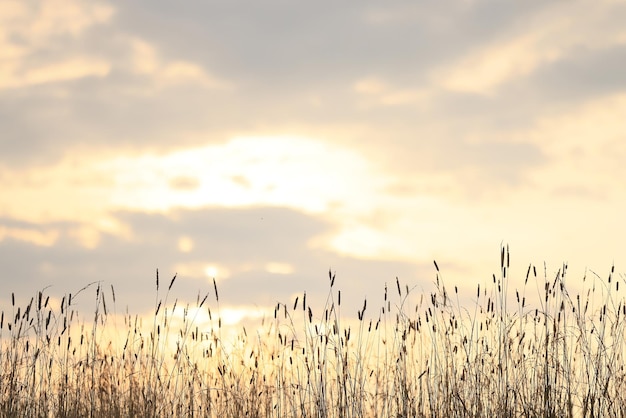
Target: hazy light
(211,271)
(86,235)
(234,316)
(185,244)
(44,238)
(279,268)
(202,270)
(277,171)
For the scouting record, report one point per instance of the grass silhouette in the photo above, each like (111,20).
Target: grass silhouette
(426,355)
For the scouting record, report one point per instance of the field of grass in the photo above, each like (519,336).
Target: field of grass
(417,355)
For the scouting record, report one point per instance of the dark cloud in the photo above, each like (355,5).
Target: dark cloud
(40,125)
(581,75)
(26,134)
(288,43)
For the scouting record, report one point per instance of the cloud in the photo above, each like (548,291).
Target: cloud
(371,126)
(265,252)
(145,61)
(365,76)
(71,79)
(377,92)
(483,72)
(585,149)
(551,34)
(29,32)
(34,235)
(583,76)
(61,71)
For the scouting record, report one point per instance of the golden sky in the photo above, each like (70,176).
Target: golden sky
(265,142)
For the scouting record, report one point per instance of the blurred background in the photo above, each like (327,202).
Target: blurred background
(264,143)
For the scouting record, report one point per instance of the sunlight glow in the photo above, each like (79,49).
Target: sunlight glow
(230,315)
(185,244)
(276,171)
(202,270)
(235,315)
(211,271)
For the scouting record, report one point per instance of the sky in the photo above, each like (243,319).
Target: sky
(264,143)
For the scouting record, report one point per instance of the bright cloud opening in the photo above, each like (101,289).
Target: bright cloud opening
(276,171)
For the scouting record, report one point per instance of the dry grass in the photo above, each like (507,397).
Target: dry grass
(425,355)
